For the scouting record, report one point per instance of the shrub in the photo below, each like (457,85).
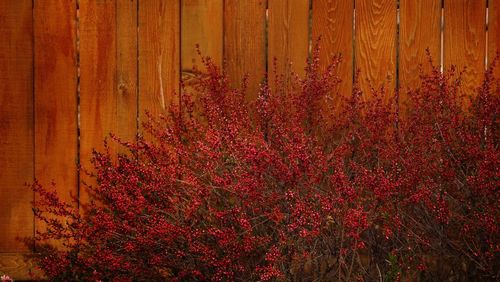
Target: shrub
(289,187)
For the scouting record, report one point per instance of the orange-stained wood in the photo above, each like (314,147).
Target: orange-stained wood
(97,81)
(159,56)
(201,24)
(56,96)
(376,45)
(126,68)
(465,39)
(108,72)
(288,37)
(244,42)
(19,267)
(333,22)
(16,123)
(494,33)
(420,28)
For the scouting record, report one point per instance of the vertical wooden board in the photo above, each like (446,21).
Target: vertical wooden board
(98,92)
(494,33)
(288,37)
(376,45)
(126,68)
(465,39)
(333,22)
(108,67)
(16,126)
(201,23)
(159,56)
(244,42)
(56,96)
(420,28)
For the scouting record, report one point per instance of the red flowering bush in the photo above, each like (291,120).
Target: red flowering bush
(289,187)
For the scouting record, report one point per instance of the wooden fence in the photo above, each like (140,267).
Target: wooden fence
(71,71)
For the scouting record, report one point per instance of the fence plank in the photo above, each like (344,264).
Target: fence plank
(108,96)
(494,33)
(420,28)
(288,37)
(97,82)
(201,24)
(127,67)
(16,127)
(56,96)
(244,42)
(465,39)
(333,21)
(159,64)
(376,44)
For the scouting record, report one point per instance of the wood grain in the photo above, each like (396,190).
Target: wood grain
(108,96)
(16,126)
(333,22)
(494,33)
(19,267)
(244,42)
(376,45)
(127,68)
(201,23)
(420,28)
(159,56)
(288,38)
(465,39)
(56,96)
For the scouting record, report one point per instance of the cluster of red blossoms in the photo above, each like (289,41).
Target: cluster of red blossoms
(292,187)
